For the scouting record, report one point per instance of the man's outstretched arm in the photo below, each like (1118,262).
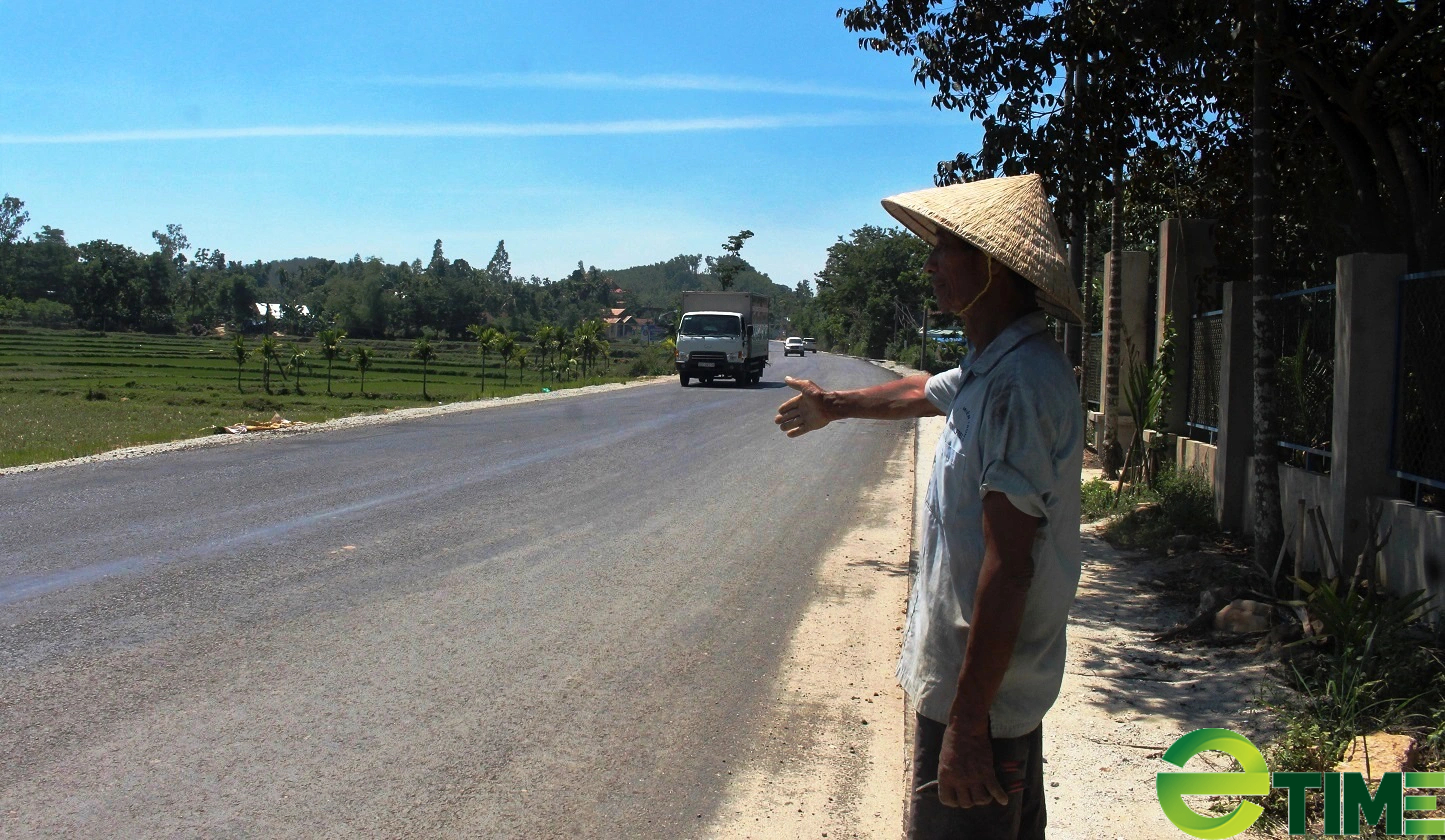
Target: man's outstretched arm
(813,407)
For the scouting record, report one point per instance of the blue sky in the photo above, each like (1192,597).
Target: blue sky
(612,133)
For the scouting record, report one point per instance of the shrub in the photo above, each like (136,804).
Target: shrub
(1186,500)
(1097,500)
(1149,517)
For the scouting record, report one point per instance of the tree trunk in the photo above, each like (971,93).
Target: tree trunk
(1113,454)
(1077,199)
(1268,525)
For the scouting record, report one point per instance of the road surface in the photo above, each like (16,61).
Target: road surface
(545,619)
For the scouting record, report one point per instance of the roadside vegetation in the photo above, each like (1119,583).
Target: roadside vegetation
(66,393)
(1349,657)
(1180,502)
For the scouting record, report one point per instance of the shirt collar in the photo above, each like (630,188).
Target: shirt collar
(1012,336)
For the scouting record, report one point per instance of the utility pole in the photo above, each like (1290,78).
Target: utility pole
(923,348)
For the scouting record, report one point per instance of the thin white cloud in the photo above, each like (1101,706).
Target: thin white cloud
(480,130)
(659,81)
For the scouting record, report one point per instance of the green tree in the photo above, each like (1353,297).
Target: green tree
(726,267)
(504,344)
(105,280)
(541,338)
(361,358)
(486,339)
(423,351)
(240,352)
(329,341)
(499,267)
(295,360)
(13,218)
(268,355)
(519,358)
(872,290)
(588,344)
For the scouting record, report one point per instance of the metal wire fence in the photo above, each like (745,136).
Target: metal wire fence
(1418,444)
(1306,365)
(1206,350)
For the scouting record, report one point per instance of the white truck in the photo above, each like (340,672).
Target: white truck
(722,334)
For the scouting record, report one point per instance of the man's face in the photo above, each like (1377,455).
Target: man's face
(958,271)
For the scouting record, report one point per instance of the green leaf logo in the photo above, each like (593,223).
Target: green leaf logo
(1254,781)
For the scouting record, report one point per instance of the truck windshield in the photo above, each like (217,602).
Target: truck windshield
(710,325)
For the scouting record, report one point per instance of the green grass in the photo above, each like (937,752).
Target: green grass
(1149,517)
(66,393)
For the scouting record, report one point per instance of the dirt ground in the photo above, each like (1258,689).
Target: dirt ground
(1125,698)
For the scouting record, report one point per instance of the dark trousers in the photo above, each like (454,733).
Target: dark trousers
(1019,763)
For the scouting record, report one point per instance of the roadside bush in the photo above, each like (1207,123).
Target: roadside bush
(1098,499)
(654,360)
(1179,502)
(941,357)
(1186,499)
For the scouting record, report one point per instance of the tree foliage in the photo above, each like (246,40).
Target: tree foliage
(871,290)
(725,268)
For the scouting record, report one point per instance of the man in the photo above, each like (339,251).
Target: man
(983,652)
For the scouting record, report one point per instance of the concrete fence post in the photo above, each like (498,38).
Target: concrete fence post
(1134,330)
(1367,293)
(1236,408)
(1186,253)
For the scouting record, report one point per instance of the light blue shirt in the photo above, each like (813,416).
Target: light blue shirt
(1015,426)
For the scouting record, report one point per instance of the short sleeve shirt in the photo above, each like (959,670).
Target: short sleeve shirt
(1014,426)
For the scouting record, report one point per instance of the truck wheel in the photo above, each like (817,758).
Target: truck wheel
(684,379)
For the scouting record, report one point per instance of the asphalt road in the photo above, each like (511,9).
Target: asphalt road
(548,619)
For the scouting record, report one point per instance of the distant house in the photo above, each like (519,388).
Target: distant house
(273,310)
(619,324)
(649,330)
(272,313)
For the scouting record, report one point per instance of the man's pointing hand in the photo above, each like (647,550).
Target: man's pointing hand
(805,412)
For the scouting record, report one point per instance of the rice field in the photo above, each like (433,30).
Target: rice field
(67,393)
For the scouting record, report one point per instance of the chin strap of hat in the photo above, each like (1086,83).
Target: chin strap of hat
(982,291)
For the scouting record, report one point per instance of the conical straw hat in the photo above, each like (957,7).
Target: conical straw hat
(1006,218)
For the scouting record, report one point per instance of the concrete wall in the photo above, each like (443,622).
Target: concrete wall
(1414,558)
(1194,455)
(1314,489)
(1296,484)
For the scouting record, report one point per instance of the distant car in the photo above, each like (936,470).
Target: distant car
(794,345)
(810,344)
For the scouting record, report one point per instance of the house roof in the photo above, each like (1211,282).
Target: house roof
(274,309)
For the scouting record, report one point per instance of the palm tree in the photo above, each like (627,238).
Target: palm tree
(589,343)
(240,352)
(268,352)
(296,357)
(519,357)
(485,337)
(541,337)
(423,350)
(504,344)
(330,341)
(555,343)
(361,357)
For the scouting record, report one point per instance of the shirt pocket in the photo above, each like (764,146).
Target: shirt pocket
(952,468)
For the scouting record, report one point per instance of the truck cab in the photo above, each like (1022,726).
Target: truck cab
(725,336)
